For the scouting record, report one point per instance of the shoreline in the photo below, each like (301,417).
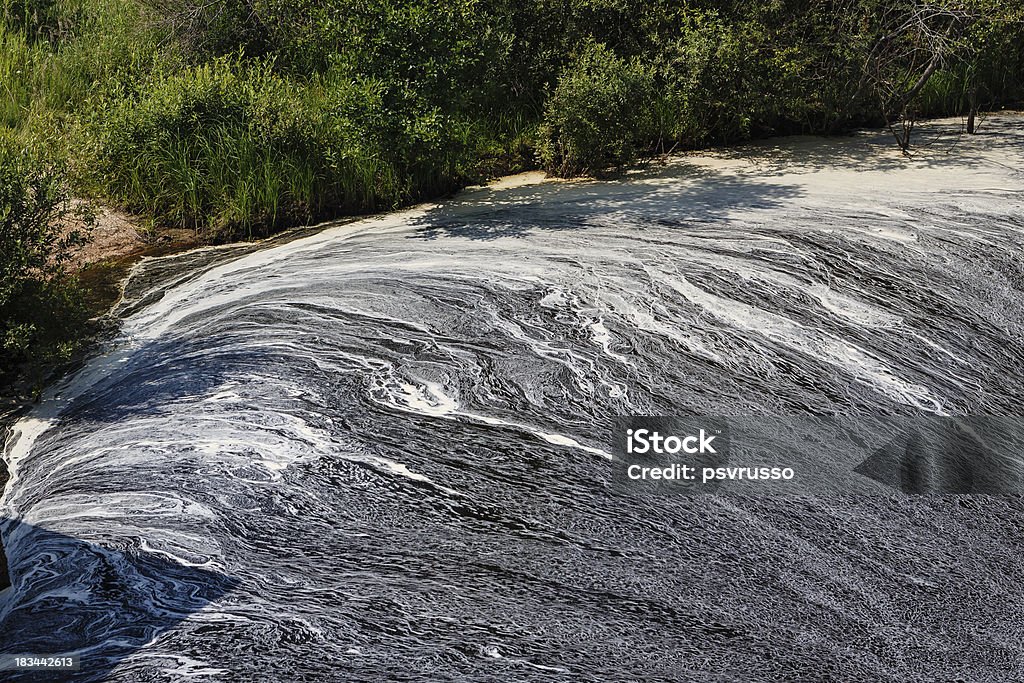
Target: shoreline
(105,270)
(112,269)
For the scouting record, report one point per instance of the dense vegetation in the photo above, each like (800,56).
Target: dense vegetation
(41,313)
(238,117)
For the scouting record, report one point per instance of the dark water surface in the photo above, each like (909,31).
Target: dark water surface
(379,452)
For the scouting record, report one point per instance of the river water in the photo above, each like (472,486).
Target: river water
(380,452)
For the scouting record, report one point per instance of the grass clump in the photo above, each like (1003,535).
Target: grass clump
(240,149)
(229,146)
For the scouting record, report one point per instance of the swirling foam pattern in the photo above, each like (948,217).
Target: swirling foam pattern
(390,438)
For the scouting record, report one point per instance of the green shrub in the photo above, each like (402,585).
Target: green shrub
(599,115)
(42,319)
(720,84)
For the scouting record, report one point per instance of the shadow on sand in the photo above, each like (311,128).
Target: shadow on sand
(936,144)
(675,193)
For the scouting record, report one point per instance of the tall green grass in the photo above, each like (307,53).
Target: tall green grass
(49,74)
(994,83)
(237,148)
(19,64)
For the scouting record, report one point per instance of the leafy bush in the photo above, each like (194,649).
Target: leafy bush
(42,319)
(598,116)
